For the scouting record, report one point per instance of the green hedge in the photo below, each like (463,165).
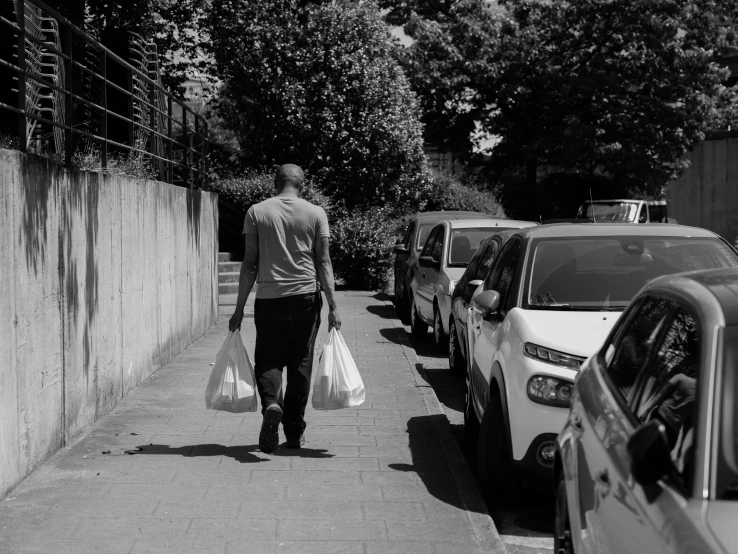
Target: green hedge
(258,185)
(448,192)
(361,247)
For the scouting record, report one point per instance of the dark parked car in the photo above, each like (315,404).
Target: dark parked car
(408,248)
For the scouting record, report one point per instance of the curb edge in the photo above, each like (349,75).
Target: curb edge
(481,521)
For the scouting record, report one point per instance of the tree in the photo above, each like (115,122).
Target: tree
(619,87)
(318,85)
(173,25)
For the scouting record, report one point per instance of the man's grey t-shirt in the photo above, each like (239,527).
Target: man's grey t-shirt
(287,228)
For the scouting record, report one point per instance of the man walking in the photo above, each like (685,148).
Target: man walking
(287,243)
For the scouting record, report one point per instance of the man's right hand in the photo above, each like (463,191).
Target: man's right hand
(334,320)
(235,323)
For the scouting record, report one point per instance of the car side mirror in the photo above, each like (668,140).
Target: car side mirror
(650,457)
(427,261)
(471,286)
(400,249)
(486,301)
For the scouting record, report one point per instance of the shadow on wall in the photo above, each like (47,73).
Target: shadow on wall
(81,200)
(37,191)
(194,211)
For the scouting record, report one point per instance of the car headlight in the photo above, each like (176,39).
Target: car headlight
(550,391)
(552,357)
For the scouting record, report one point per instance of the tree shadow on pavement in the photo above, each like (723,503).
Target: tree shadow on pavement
(423,346)
(443,474)
(243,454)
(387,312)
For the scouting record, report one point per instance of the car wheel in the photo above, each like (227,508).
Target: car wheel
(493,456)
(404,311)
(562,530)
(439,337)
(456,362)
(417,325)
(471,423)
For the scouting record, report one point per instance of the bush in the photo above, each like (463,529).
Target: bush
(361,247)
(448,192)
(255,186)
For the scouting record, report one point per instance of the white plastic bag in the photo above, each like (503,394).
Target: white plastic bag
(337,382)
(232,384)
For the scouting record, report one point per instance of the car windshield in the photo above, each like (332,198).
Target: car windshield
(423,233)
(464,242)
(610,211)
(604,273)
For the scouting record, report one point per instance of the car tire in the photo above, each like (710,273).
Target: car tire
(456,362)
(440,340)
(404,311)
(562,529)
(397,301)
(493,454)
(471,423)
(418,327)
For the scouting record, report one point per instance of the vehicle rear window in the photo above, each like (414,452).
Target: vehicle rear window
(464,242)
(609,211)
(601,273)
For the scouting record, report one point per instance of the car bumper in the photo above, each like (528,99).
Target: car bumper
(534,467)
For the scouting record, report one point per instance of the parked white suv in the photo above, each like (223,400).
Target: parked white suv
(548,303)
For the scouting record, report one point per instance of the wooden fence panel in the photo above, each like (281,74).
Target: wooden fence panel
(706,195)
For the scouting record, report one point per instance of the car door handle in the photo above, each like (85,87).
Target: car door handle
(602,478)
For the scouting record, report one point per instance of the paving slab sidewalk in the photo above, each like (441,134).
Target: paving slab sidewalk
(163,474)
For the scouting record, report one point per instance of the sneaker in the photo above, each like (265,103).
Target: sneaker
(295,442)
(269,435)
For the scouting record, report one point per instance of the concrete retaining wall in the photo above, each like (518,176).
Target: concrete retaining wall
(103,279)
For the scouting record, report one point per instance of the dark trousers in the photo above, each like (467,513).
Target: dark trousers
(285,337)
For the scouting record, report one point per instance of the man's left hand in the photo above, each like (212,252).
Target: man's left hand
(235,323)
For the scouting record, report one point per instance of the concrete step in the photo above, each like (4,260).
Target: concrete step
(224,256)
(228,288)
(229,267)
(230,277)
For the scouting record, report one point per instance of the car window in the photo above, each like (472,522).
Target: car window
(428,248)
(437,250)
(643,214)
(634,343)
(486,261)
(423,234)
(667,388)
(503,272)
(471,270)
(407,241)
(657,213)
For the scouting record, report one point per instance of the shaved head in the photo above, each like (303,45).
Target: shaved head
(289,175)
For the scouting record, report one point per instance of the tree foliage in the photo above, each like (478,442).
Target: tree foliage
(624,87)
(614,88)
(317,85)
(174,26)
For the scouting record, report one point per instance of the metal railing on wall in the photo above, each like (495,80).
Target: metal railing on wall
(73,93)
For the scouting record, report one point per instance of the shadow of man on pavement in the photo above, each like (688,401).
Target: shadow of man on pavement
(243,454)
